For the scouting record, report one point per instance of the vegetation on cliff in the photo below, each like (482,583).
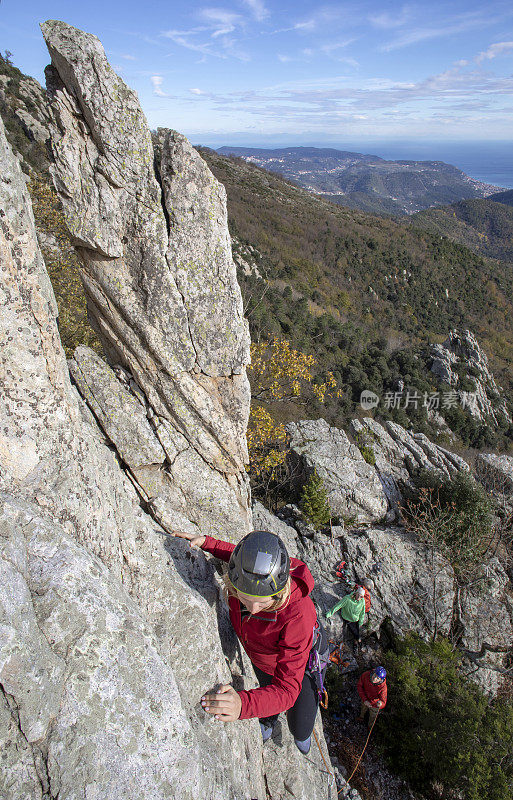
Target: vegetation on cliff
(441,732)
(63,268)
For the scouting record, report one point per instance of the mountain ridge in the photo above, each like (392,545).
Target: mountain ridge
(367,182)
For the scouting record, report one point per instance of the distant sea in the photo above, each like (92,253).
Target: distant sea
(487,161)
(490,162)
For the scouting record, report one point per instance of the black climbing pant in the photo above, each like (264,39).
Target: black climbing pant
(353,627)
(301,717)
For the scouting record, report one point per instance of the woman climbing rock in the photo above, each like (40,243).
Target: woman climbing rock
(276,622)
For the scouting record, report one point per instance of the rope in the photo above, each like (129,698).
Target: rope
(322,756)
(363,751)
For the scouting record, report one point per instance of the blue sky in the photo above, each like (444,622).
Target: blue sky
(292,70)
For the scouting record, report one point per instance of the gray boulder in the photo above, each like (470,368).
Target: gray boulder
(413,586)
(352,485)
(104,702)
(398,456)
(264,520)
(496,473)
(485,614)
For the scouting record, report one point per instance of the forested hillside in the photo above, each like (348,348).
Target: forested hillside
(485,226)
(366,295)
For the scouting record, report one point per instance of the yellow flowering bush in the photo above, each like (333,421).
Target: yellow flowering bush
(278,374)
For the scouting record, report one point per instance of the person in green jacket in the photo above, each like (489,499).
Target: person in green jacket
(352,611)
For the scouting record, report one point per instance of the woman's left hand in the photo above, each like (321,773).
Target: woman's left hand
(225,704)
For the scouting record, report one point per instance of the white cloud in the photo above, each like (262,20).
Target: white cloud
(258,9)
(451,25)
(157,81)
(128,57)
(307,25)
(183,39)
(494,50)
(332,50)
(448,93)
(388,21)
(196,91)
(217,24)
(220,20)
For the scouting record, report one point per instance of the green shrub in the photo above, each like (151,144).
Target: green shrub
(441,729)
(365,448)
(454,515)
(314,502)
(468,498)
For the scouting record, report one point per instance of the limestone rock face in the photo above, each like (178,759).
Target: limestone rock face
(113,630)
(353,486)
(82,563)
(180,487)
(102,699)
(156,269)
(23,103)
(398,454)
(360,490)
(412,586)
(265,521)
(496,473)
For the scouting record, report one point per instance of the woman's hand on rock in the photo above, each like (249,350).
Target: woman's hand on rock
(194,540)
(225,704)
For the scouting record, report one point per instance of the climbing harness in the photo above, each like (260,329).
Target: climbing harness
(318,661)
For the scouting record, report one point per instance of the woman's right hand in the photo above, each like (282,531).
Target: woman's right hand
(194,541)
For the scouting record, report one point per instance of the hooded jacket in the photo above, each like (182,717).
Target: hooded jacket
(278,642)
(372,692)
(350,609)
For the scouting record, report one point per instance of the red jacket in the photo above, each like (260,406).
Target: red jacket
(278,642)
(371,691)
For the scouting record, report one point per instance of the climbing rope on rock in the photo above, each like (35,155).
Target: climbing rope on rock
(361,754)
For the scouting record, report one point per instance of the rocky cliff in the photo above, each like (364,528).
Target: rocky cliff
(111,631)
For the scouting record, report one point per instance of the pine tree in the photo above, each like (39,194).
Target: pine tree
(314,502)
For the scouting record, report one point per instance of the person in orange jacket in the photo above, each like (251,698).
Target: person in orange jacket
(372,688)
